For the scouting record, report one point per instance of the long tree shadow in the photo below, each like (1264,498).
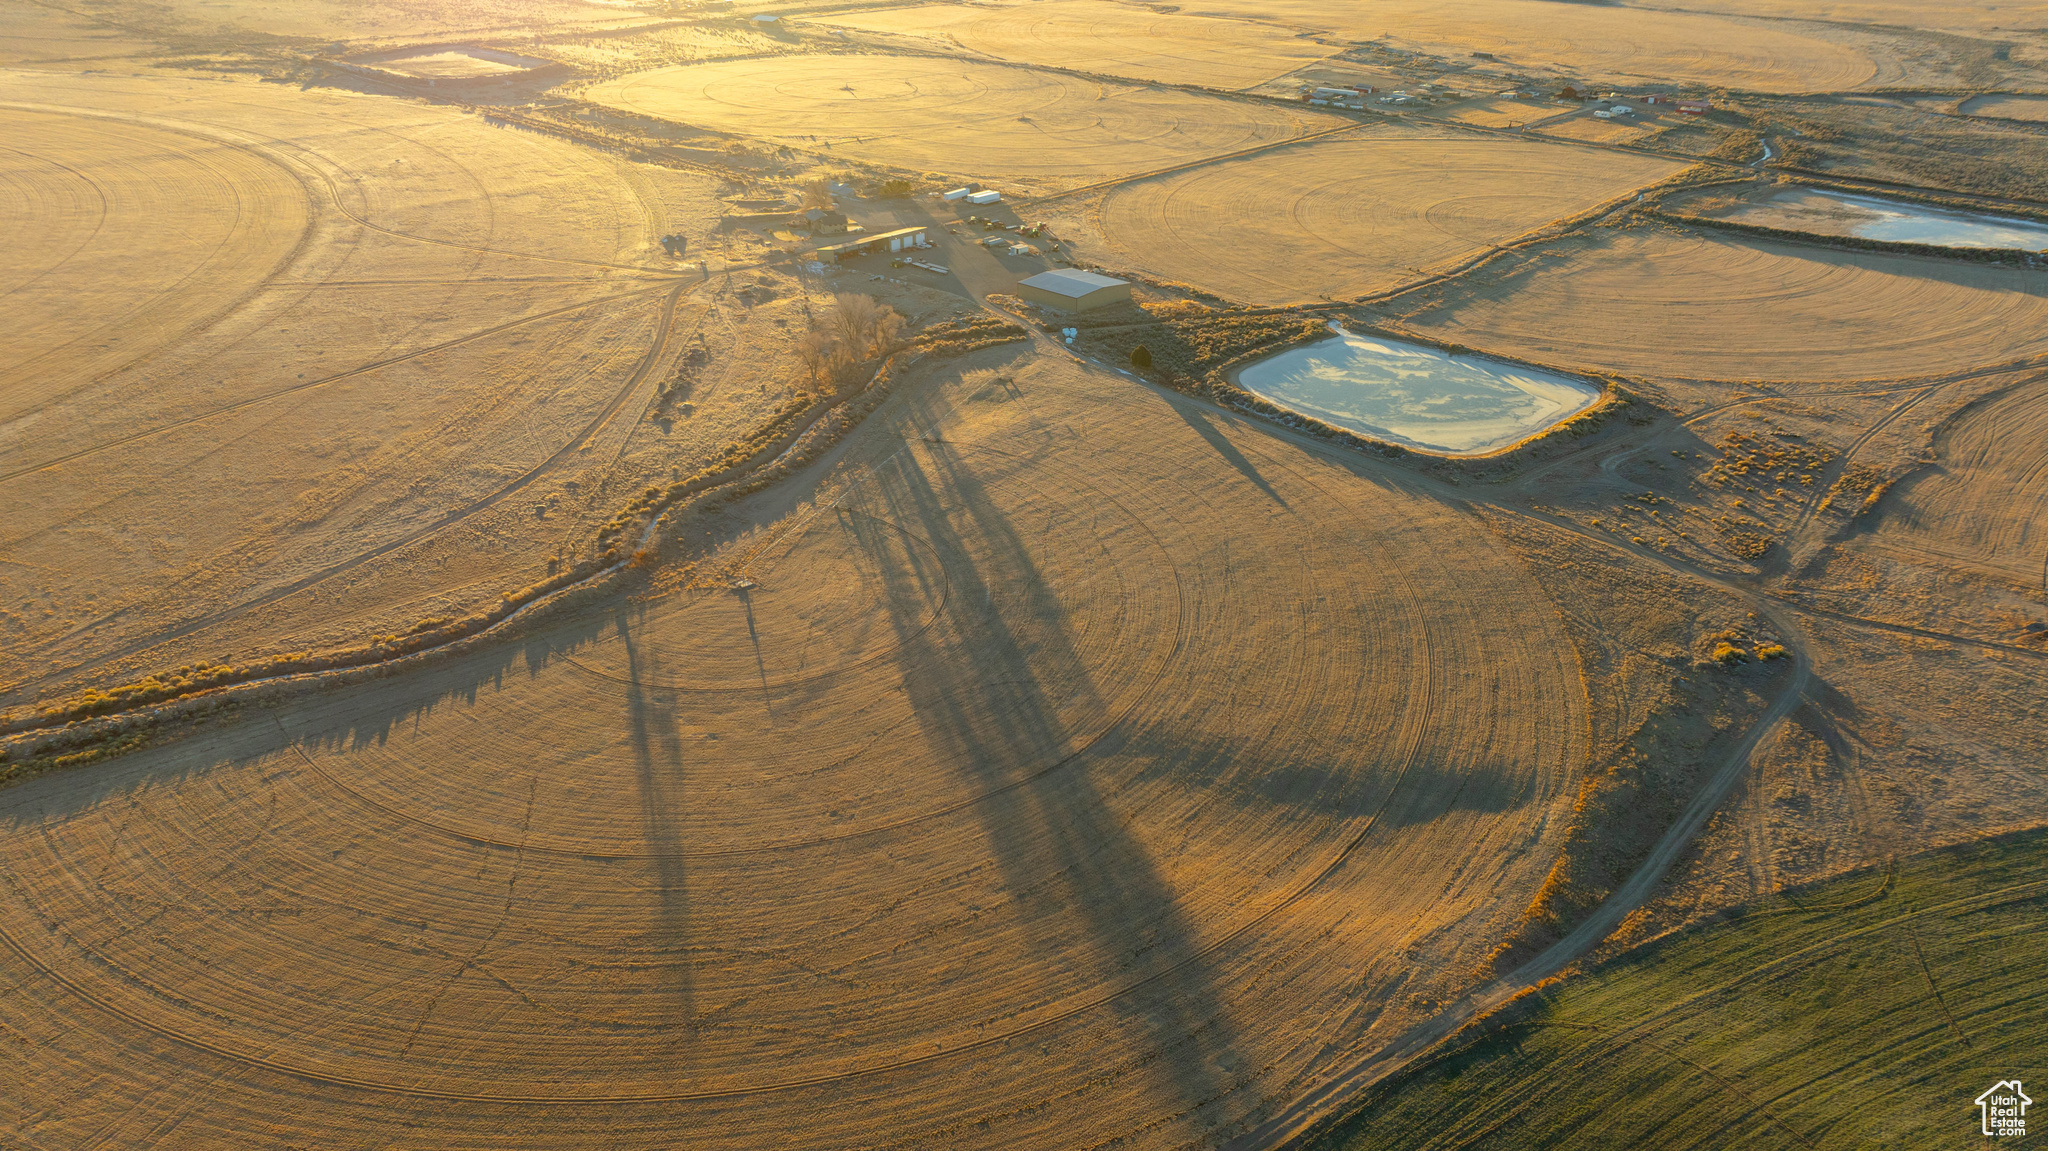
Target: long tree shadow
(1198,419)
(658,759)
(986,692)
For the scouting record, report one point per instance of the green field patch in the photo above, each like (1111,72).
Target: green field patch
(1861,1012)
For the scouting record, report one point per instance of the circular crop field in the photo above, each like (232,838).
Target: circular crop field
(1674,305)
(1345,216)
(1012,125)
(121,236)
(270,351)
(1611,42)
(1110,38)
(1021,803)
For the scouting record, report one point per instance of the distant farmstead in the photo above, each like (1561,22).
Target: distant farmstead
(1074,290)
(822,220)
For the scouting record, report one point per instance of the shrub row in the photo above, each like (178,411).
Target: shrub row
(765,443)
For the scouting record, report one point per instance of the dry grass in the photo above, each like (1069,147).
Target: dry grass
(357,412)
(1914,147)
(1012,126)
(1614,44)
(1109,38)
(1346,216)
(922,813)
(1658,303)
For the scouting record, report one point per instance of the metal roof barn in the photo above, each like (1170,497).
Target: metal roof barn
(895,241)
(1073,289)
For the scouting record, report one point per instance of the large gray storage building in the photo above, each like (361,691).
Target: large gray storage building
(1074,290)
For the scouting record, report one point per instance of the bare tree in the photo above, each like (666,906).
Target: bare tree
(816,351)
(857,329)
(888,330)
(817,193)
(854,317)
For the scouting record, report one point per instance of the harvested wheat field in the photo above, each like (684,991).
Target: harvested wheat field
(1103,36)
(1969,18)
(1007,809)
(1611,43)
(1504,113)
(377,20)
(1008,126)
(1594,131)
(621,611)
(1346,216)
(53,38)
(286,369)
(1663,303)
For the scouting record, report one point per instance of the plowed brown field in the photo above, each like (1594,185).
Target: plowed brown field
(1015,806)
(1010,126)
(1342,217)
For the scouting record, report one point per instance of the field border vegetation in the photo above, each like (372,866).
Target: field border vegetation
(100,723)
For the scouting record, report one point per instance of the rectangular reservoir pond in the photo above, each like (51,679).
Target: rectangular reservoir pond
(1876,218)
(1414,395)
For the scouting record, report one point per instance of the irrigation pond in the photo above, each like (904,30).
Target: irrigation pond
(1417,396)
(1876,218)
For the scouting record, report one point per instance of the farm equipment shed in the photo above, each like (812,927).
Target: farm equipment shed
(895,241)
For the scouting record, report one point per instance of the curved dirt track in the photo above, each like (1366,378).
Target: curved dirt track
(1015,125)
(1343,217)
(1667,304)
(1108,38)
(122,237)
(1985,502)
(1015,807)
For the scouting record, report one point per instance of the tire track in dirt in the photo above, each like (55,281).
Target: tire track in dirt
(1811,505)
(1336,1090)
(467,511)
(1339,1089)
(279,393)
(1334,1093)
(1413,739)
(225,309)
